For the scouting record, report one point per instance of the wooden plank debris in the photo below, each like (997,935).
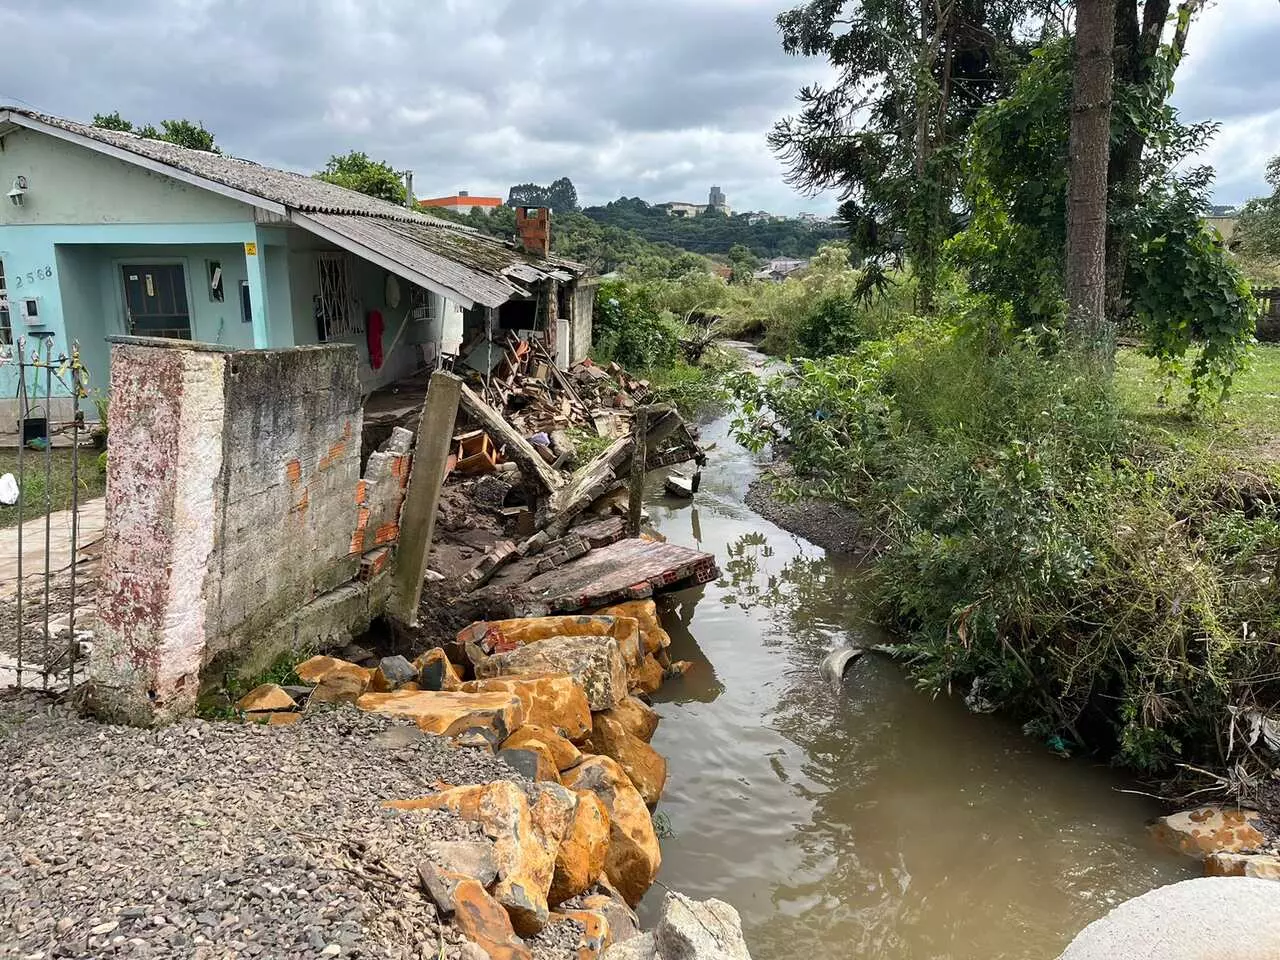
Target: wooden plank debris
(512,444)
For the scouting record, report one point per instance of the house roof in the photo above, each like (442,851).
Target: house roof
(452,259)
(461,200)
(294,190)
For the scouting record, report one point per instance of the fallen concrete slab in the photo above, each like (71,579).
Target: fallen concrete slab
(627,570)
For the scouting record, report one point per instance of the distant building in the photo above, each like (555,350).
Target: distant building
(717,201)
(677,208)
(779,268)
(463,203)
(1224,219)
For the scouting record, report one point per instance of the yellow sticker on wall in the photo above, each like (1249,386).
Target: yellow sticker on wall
(250,249)
(151,287)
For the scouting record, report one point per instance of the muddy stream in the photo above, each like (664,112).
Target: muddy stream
(874,821)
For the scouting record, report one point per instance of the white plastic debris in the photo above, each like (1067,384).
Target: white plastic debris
(8,490)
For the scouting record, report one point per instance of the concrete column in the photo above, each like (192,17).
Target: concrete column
(426,474)
(255,262)
(166,419)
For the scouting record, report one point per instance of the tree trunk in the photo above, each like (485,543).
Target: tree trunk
(1087,177)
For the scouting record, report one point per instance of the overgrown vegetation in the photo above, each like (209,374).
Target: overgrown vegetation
(1040,552)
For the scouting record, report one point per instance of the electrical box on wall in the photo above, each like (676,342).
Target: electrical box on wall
(30,309)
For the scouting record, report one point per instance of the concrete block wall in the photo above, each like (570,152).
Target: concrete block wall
(291,462)
(233,481)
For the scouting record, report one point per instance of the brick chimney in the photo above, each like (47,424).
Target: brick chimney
(533,224)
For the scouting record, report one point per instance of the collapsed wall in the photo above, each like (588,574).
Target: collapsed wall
(236,516)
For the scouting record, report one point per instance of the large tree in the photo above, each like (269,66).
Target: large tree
(560,195)
(357,171)
(185,133)
(911,77)
(1089,154)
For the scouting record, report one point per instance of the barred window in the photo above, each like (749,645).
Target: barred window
(337,312)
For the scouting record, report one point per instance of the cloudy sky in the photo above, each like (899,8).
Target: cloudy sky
(651,98)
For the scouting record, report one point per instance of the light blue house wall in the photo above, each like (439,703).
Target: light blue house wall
(86,215)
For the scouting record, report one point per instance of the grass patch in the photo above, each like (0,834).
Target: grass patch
(93,481)
(220,704)
(1248,421)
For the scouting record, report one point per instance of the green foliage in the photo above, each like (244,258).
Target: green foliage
(1258,230)
(1183,288)
(220,704)
(743,262)
(1117,596)
(829,308)
(909,80)
(560,195)
(630,328)
(185,133)
(356,171)
(714,233)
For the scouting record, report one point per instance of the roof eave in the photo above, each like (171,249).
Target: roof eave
(387,263)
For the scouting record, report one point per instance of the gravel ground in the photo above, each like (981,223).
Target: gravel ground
(220,840)
(831,526)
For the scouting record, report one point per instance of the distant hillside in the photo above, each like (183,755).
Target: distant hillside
(601,246)
(713,233)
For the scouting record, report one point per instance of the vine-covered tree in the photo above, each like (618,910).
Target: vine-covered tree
(185,133)
(1184,289)
(1088,155)
(357,171)
(911,77)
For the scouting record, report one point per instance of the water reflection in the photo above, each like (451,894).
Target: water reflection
(877,822)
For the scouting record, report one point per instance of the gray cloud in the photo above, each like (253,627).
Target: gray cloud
(659,98)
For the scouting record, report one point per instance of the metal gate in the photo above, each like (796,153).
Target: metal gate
(40,592)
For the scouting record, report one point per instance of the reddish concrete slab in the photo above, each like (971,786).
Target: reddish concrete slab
(626,570)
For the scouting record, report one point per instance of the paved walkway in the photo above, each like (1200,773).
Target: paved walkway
(93,521)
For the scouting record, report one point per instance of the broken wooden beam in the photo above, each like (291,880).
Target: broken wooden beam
(512,444)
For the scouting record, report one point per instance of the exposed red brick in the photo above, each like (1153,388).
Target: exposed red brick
(387,533)
(293,470)
(362,491)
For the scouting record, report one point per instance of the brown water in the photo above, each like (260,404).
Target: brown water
(874,821)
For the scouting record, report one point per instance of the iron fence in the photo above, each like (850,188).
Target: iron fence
(38,647)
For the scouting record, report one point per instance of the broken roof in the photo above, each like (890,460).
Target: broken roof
(451,259)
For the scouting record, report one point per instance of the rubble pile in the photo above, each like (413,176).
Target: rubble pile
(562,700)
(521,490)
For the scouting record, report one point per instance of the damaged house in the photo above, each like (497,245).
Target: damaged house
(108,233)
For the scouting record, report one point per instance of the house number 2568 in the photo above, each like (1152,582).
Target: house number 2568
(31,276)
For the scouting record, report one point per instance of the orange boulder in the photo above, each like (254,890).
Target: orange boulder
(637,717)
(634,856)
(551,701)
(436,711)
(646,768)
(581,857)
(481,919)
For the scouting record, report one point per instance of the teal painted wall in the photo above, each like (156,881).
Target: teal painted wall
(73,272)
(70,184)
(370,284)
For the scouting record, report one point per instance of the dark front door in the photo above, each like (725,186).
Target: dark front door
(155,300)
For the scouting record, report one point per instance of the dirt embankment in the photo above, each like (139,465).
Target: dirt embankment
(834,527)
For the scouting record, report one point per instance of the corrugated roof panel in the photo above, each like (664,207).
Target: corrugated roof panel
(382,237)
